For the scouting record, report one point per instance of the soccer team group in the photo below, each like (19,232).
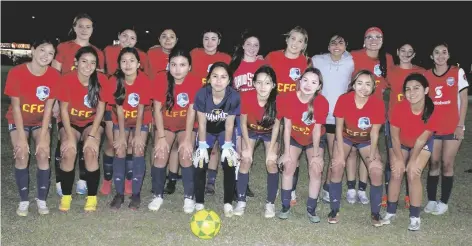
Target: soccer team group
(205,109)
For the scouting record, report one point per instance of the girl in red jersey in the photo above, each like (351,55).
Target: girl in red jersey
(307,107)
(131,117)
(81,97)
(449,88)
(32,89)
(289,64)
(158,55)
(359,116)
(64,62)
(173,97)
(413,122)
(127,38)
(203,59)
(395,81)
(244,63)
(259,122)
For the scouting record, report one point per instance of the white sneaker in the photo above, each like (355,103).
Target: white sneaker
(441,208)
(388,218)
(414,224)
(430,207)
(59,189)
(156,203)
(362,196)
(351,196)
(325,196)
(228,208)
(23,208)
(42,207)
(189,205)
(240,207)
(269,210)
(81,187)
(293,196)
(199,206)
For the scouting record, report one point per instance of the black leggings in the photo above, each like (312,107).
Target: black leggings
(229,181)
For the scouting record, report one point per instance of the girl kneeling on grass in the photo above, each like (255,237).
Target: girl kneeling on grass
(32,88)
(81,97)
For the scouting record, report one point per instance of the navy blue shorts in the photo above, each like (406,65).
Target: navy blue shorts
(428,146)
(144,128)
(107,115)
(211,138)
(293,142)
(330,128)
(29,129)
(238,125)
(262,136)
(80,129)
(355,145)
(445,137)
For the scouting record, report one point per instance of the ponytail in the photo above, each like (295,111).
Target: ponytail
(428,109)
(383,61)
(270,110)
(120,92)
(170,100)
(237,58)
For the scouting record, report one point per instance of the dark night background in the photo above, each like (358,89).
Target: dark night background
(421,23)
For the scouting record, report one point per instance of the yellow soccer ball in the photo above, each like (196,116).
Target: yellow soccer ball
(205,224)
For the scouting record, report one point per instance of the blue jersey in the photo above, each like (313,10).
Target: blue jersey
(216,114)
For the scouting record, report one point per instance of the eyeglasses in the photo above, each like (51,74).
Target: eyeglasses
(370,38)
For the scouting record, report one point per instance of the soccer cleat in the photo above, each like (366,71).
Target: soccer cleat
(293,200)
(106,187)
(228,208)
(407,202)
(91,204)
(441,208)
(240,207)
(170,187)
(313,218)
(376,220)
(199,206)
(135,202)
(351,196)
(210,189)
(156,203)
(284,213)
(269,210)
(189,206)
(42,207)
(81,187)
(388,218)
(128,187)
(58,189)
(362,196)
(414,224)
(333,217)
(118,199)
(66,200)
(430,207)
(23,208)
(384,201)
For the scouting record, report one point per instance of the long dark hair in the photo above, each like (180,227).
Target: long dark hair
(120,92)
(383,61)
(170,99)
(238,54)
(270,108)
(358,74)
(93,94)
(428,103)
(316,71)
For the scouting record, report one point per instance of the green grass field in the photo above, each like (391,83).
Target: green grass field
(170,226)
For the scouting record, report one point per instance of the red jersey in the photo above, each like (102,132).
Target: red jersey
(66,54)
(287,70)
(184,95)
(250,107)
(411,125)
(111,59)
(74,93)
(202,62)
(444,91)
(158,61)
(297,113)
(245,73)
(395,79)
(135,94)
(363,61)
(33,92)
(358,122)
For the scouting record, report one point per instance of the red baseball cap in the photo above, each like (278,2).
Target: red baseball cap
(374,28)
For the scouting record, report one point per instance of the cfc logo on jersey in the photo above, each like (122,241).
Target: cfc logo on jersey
(133,100)
(42,92)
(295,73)
(216,115)
(377,70)
(364,123)
(182,99)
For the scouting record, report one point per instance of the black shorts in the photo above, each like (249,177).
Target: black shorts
(330,128)
(107,116)
(80,129)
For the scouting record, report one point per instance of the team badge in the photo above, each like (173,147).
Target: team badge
(42,92)
(450,81)
(216,111)
(364,123)
(377,70)
(295,73)
(182,99)
(86,102)
(306,120)
(133,100)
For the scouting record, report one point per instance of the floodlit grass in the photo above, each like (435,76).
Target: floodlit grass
(170,226)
